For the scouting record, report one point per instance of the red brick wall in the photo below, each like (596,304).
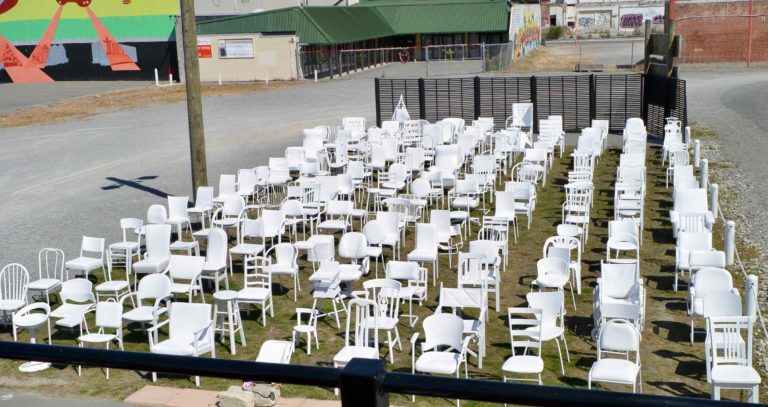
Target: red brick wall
(717,31)
(544,13)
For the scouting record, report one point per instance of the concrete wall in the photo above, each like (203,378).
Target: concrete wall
(274,58)
(717,31)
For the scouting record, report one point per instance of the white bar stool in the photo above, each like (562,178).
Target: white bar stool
(225,306)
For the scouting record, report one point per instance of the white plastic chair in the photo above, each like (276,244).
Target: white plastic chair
(688,242)
(361,339)
(249,228)
(215,267)
(203,205)
(154,289)
(415,285)
(108,317)
(425,249)
(337,216)
(354,247)
(185,273)
(76,299)
(552,309)
(522,321)
(617,337)
(125,250)
(190,333)
(620,293)
(227,188)
(285,264)
(158,254)
(309,327)
(50,264)
(87,262)
(553,273)
(177,214)
(704,283)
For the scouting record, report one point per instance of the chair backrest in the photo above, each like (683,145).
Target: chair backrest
(157,214)
(552,266)
(711,280)
(130,225)
(618,335)
(403,270)
(273,221)
(426,237)
(109,314)
(14,281)
(285,254)
(732,332)
(158,240)
(310,314)
(420,187)
(441,219)
(359,313)
(386,293)
(618,280)
(443,331)
(706,258)
(92,245)
(50,263)
(246,180)
(154,286)
(694,240)
(77,290)
(292,208)
(216,252)
(204,197)
(177,206)
(329,188)
(227,184)
(505,204)
(691,201)
(722,303)
(352,245)
(551,304)
(356,169)
(488,249)
(233,206)
(622,226)
(374,232)
(521,322)
(390,221)
(186,319)
(185,268)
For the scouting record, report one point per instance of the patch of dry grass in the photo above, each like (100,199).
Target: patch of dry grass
(128,99)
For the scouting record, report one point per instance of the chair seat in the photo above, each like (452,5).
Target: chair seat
(406,293)
(181,245)
(282,269)
(124,246)
(83,264)
(44,284)
(348,352)
(180,288)
(68,310)
(178,347)
(333,224)
(373,251)
(385,323)
(302,329)
(552,280)
(438,362)
(30,320)
(614,370)
(522,206)
(358,213)
(151,265)
(577,219)
(112,286)
(523,364)
(734,375)
(227,222)
(253,294)
(465,202)
(97,338)
(623,246)
(548,332)
(350,272)
(423,255)
(143,314)
(177,220)
(11,305)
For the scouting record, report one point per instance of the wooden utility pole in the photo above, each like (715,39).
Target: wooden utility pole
(194,97)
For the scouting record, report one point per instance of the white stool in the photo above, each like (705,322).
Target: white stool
(27,318)
(230,316)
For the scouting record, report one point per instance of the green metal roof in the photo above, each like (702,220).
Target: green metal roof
(368,20)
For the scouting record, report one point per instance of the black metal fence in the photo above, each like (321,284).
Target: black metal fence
(363,382)
(579,99)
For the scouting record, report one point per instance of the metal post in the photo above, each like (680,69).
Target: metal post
(750,291)
(687,135)
(360,383)
(730,241)
(696,153)
(482,55)
(194,97)
(704,175)
(714,204)
(632,55)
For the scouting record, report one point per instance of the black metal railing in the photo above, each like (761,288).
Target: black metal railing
(579,99)
(362,382)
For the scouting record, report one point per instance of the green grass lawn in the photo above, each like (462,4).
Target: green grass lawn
(671,366)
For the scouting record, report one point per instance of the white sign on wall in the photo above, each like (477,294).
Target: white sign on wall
(236,48)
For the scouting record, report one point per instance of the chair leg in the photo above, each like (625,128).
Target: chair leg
(560,353)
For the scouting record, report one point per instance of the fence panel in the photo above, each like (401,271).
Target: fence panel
(388,94)
(449,97)
(498,94)
(617,98)
(567,96)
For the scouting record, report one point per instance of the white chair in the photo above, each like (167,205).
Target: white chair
(215,267)
(719,304)
(553,273)
(415,288)
(732,359)
(444,348)
(177,214)
(113,288)
(705,282)
(425,249)
(50,265)
(622,338)
(87,262)
(691,212)
(203,205)
(14,282)
(449,236)
(190,333)
(326,286)
(30,318)
(249,229)
(227,188)
(227,216)
(185,273)
(523,321)
(76,300)
(125,250)
(552,309)
(337,216)
(393,224)
(487,253)
(109,316)
(688,242)
(309,327)
(620,293)
(158,254)
(506,209)
(569,244)
(285,263)
(155,290)
(361,339)
(375,235)
(274,351)
(353,246)
(465,197)
(257,287)
(386,294)
(523,196)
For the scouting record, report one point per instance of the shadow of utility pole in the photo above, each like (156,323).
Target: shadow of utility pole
(135,183)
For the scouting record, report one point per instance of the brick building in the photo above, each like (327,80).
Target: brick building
(717,31)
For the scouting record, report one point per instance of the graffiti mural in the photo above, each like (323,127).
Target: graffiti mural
(47,40)
(631,18)
(525,28)
(597,19)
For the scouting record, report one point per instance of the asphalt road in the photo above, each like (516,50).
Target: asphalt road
(20,95)
(66,180)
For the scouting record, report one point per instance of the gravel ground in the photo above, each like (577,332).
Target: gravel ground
(731,101)
(21,95)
